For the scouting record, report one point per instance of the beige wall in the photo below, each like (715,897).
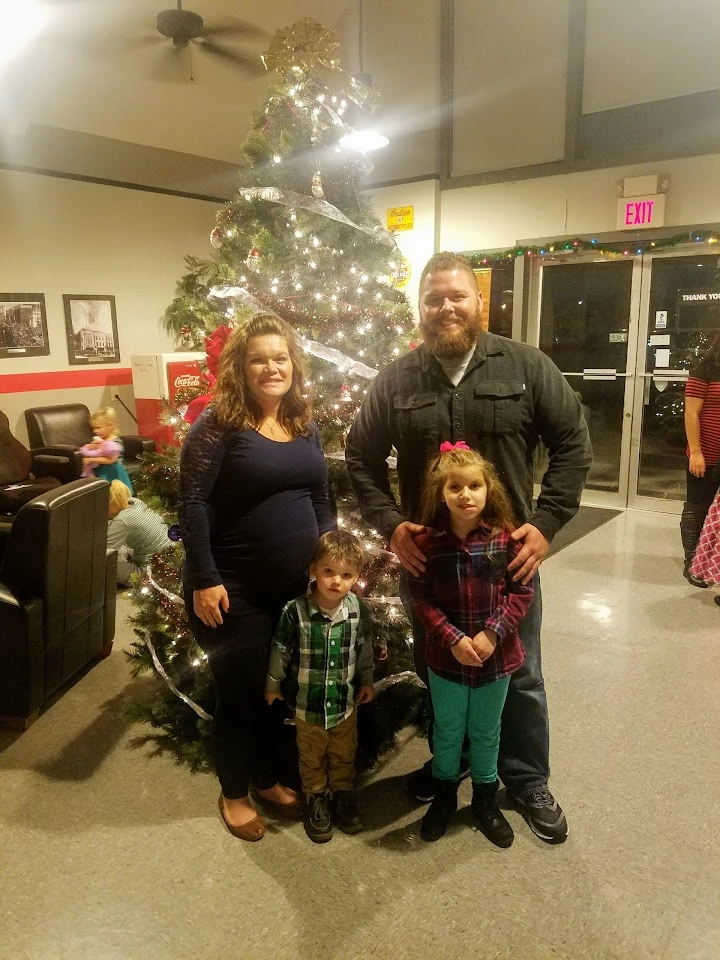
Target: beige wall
(63,236)
(419,244)
(499,215)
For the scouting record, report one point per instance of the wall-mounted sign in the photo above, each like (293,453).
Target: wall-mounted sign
(698,309)
(660,319)
(400,218)
(640,213)
(619,337)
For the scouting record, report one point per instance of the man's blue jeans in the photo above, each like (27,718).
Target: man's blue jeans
(524,759)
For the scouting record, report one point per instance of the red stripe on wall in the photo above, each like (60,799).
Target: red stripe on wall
(64,380)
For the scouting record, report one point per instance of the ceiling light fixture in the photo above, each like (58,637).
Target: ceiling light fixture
(363,140)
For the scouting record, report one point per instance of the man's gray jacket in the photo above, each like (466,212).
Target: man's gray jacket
(510,397)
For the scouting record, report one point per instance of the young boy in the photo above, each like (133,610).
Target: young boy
(321,661)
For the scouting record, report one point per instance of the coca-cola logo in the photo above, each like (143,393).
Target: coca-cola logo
(187,380)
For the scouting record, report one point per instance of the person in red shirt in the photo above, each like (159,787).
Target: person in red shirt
(702,428)
(470,607)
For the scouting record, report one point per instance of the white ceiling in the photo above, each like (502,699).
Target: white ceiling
(79,73)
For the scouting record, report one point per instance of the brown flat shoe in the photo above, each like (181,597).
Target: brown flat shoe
(251,831)
(294,810)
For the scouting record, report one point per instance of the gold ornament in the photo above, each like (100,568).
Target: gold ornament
(305,44)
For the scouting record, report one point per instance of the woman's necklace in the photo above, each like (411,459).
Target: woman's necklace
(272,428)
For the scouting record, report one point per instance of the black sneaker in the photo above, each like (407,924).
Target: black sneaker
(318,825)
(543,813)
(691,578)
(488,817)
(444,804)
(421,783)
(345,813)
(717,600)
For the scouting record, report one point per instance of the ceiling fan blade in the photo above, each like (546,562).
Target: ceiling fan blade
(249,63)
(232,27)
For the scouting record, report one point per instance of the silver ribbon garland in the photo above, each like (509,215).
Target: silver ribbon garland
(291,199)
(174,598)
(344,363)
(178,693)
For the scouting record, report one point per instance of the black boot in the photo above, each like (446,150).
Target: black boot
(690,577)
(488,816)
(691,524)
(318,823)
(345,813)
(443,806)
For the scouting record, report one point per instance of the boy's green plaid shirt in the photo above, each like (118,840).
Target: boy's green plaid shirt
(318,664)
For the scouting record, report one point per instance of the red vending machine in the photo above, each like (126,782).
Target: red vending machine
(157,380)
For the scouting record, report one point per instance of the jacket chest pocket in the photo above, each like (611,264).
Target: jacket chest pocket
(416,415)
(499,406)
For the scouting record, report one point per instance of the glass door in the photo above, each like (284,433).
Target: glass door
(625,333)
(587,315)
(680,309)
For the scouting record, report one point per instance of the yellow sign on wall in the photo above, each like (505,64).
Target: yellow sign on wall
(400,218)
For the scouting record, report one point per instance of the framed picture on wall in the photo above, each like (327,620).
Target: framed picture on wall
(91,327)
(23,325)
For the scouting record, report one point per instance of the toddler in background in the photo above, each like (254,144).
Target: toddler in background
(102,457)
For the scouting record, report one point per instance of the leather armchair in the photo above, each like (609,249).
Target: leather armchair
(22,476)
(57,596)
(62,429)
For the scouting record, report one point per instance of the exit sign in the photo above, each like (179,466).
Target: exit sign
(639,213)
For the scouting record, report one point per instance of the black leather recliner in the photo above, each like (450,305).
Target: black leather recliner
(65,428)
(24,477)
(57,596)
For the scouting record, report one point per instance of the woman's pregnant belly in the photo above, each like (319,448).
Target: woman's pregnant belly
(275,538)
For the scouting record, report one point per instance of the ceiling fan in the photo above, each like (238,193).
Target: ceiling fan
(188,33)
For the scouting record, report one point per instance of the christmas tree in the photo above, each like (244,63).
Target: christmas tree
(300,241)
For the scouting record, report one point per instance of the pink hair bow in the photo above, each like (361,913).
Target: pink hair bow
(446,446)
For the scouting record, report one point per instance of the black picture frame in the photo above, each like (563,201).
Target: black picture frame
(91,329)
(23,326)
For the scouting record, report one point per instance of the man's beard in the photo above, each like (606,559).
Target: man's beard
(451,346)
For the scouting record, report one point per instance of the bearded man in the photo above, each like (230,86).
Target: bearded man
(501,398)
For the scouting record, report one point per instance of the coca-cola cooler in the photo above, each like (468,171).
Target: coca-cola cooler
(157,380)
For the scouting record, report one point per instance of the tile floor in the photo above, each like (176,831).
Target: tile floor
(108,853)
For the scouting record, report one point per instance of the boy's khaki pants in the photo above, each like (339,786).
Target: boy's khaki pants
(327,757)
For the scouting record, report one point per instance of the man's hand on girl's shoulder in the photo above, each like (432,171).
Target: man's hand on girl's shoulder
(530,555)
(402,544)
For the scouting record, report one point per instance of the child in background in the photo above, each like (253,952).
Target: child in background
(321,661)
(103,456)
(135,531)
(471,609)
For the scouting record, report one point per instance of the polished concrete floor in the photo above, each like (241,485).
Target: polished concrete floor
(108,853)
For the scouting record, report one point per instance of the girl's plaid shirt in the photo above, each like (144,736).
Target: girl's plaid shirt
(465,589)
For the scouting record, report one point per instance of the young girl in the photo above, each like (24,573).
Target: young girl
(135,531)
(104,460)
(706,562)
(471,609)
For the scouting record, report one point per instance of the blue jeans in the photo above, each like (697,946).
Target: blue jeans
(524,758)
